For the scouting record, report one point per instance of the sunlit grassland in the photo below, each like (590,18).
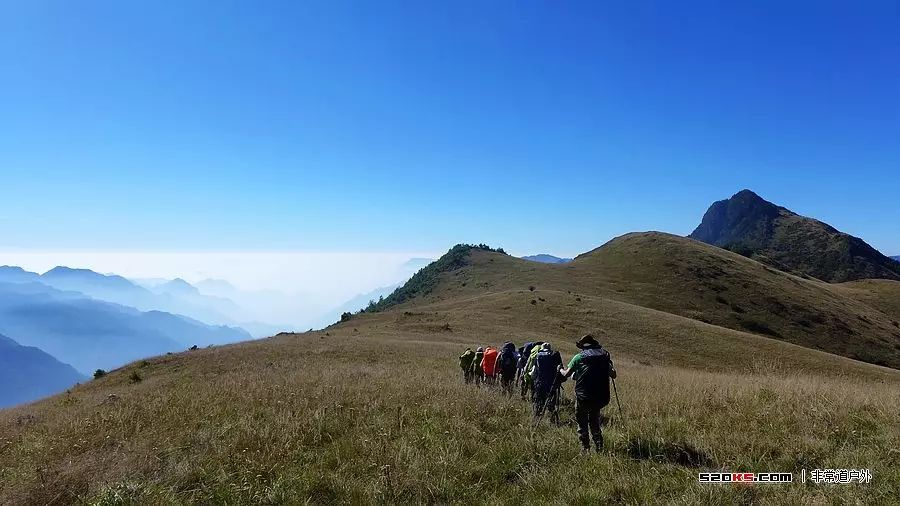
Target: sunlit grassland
(377,416)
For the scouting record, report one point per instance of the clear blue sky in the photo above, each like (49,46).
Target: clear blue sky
(376,126)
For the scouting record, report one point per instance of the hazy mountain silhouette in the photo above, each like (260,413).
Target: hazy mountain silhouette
(181,297)
(177,286)
(215,286)
(100,286)
(91,334)
(13,274)
(362,300)
(262,312)
(175,296)
(756,228)
(277,306)
(27,373)
(414,264)
(546,259)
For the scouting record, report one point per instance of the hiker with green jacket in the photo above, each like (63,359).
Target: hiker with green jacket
(529,368)
(477,371)
(592,369)
(465,363)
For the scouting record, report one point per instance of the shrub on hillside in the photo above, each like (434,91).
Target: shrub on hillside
(99,373)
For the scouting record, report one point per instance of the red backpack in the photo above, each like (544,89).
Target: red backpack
(490,359)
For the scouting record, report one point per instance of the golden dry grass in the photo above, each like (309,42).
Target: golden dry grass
(378,415)
(692,279)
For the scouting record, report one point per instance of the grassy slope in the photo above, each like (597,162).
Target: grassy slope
(881,294)
(688,278)
(817,249)
(310,416)
(374,410)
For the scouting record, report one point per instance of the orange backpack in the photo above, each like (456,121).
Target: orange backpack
(490,359)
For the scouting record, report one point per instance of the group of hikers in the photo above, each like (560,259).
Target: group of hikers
(537,369)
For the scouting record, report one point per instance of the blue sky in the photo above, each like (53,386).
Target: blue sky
(411,126)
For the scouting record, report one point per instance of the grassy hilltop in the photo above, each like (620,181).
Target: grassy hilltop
(373,409)
(677,276)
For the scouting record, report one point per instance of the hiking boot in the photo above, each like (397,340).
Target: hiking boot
(585,444)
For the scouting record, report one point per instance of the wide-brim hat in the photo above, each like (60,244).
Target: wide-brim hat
(585,341)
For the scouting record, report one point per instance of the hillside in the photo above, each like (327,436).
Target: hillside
(389,420)
(754,227)
(681,277)
(373,409)
(882,294)
(27,373)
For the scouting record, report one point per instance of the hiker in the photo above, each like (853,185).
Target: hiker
(555,395)
(507,362)
(465,363)
(477,371)
(545,378)
(524,355)
(488,365)
(520,364)
(529,367)
(592,368)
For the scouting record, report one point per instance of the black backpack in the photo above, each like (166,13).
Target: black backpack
(526,352)
(508,359)
(593,384)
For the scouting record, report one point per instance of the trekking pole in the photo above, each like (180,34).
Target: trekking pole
(558,393)
(550,394)
(616,391)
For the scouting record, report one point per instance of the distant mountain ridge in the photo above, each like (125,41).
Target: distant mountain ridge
(175,296)
(27,373)
(749,225)
(14,274)
(90,334)
(67,277)
(547,259)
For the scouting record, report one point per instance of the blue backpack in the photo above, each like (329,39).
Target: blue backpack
(546,367)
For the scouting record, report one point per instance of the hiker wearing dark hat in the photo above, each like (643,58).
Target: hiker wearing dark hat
(465,363)
(592,368)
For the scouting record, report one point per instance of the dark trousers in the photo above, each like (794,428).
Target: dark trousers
(506,381)
(468,375)
(543,398)
(587,413)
